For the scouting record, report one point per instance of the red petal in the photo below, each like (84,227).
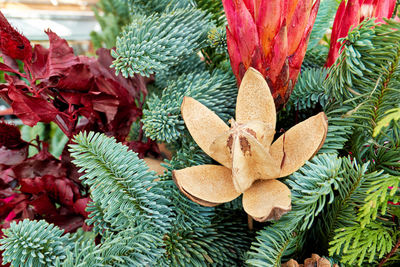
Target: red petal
(346,16)
(234,53)
(250,6)
(298,24)
(289,9)
(243,28)
(351,17)
(247,33)
(279,55)
(269,20)
(230,13)
(296,59)
(384,8)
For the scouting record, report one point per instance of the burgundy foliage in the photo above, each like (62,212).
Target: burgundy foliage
(58,86)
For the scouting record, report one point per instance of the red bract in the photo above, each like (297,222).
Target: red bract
(352,13)
(270,36)
(12,43)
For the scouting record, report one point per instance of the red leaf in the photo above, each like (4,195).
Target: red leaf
(4,67)
(31,109)
(76,78)
(33,186)
(43,205)
(61,55)
(13,156)
(80,206)
(10,136)
(39,62)
(41,164)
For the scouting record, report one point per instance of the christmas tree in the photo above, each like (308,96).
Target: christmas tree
(309,164)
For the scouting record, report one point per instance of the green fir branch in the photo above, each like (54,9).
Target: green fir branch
(357,245)
(313,187)
(33,243)
(162,118)
(155,43)
(120,183)
(149,7)
(325,16)
(380,192)
(221,244)
(309,90)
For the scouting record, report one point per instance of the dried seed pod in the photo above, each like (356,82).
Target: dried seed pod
(250,163)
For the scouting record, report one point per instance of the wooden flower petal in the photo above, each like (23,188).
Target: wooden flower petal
(208,185)
(300,143)
(203,124)
(254,101)
(250,162)
(263,132)
(267,200)
(221,147)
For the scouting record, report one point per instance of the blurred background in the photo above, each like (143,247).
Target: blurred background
(72,20)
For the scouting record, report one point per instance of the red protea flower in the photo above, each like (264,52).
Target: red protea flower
(12,43)
(352,13)
(270,36)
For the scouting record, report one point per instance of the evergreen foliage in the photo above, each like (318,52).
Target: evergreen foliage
(157,6)
(325,16)
(358,245)
(114,173)
(345,200)
(112,16)
(156,43)
(309,90)
(312,187)
(162,118)
(33,243)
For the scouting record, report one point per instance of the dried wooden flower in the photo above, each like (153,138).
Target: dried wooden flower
(251,162)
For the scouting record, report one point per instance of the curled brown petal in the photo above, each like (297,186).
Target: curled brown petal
(203,124)
(208,185)
(300,143)
(267,200)
(254,101)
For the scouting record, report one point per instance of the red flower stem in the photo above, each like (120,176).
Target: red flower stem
(390,254)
